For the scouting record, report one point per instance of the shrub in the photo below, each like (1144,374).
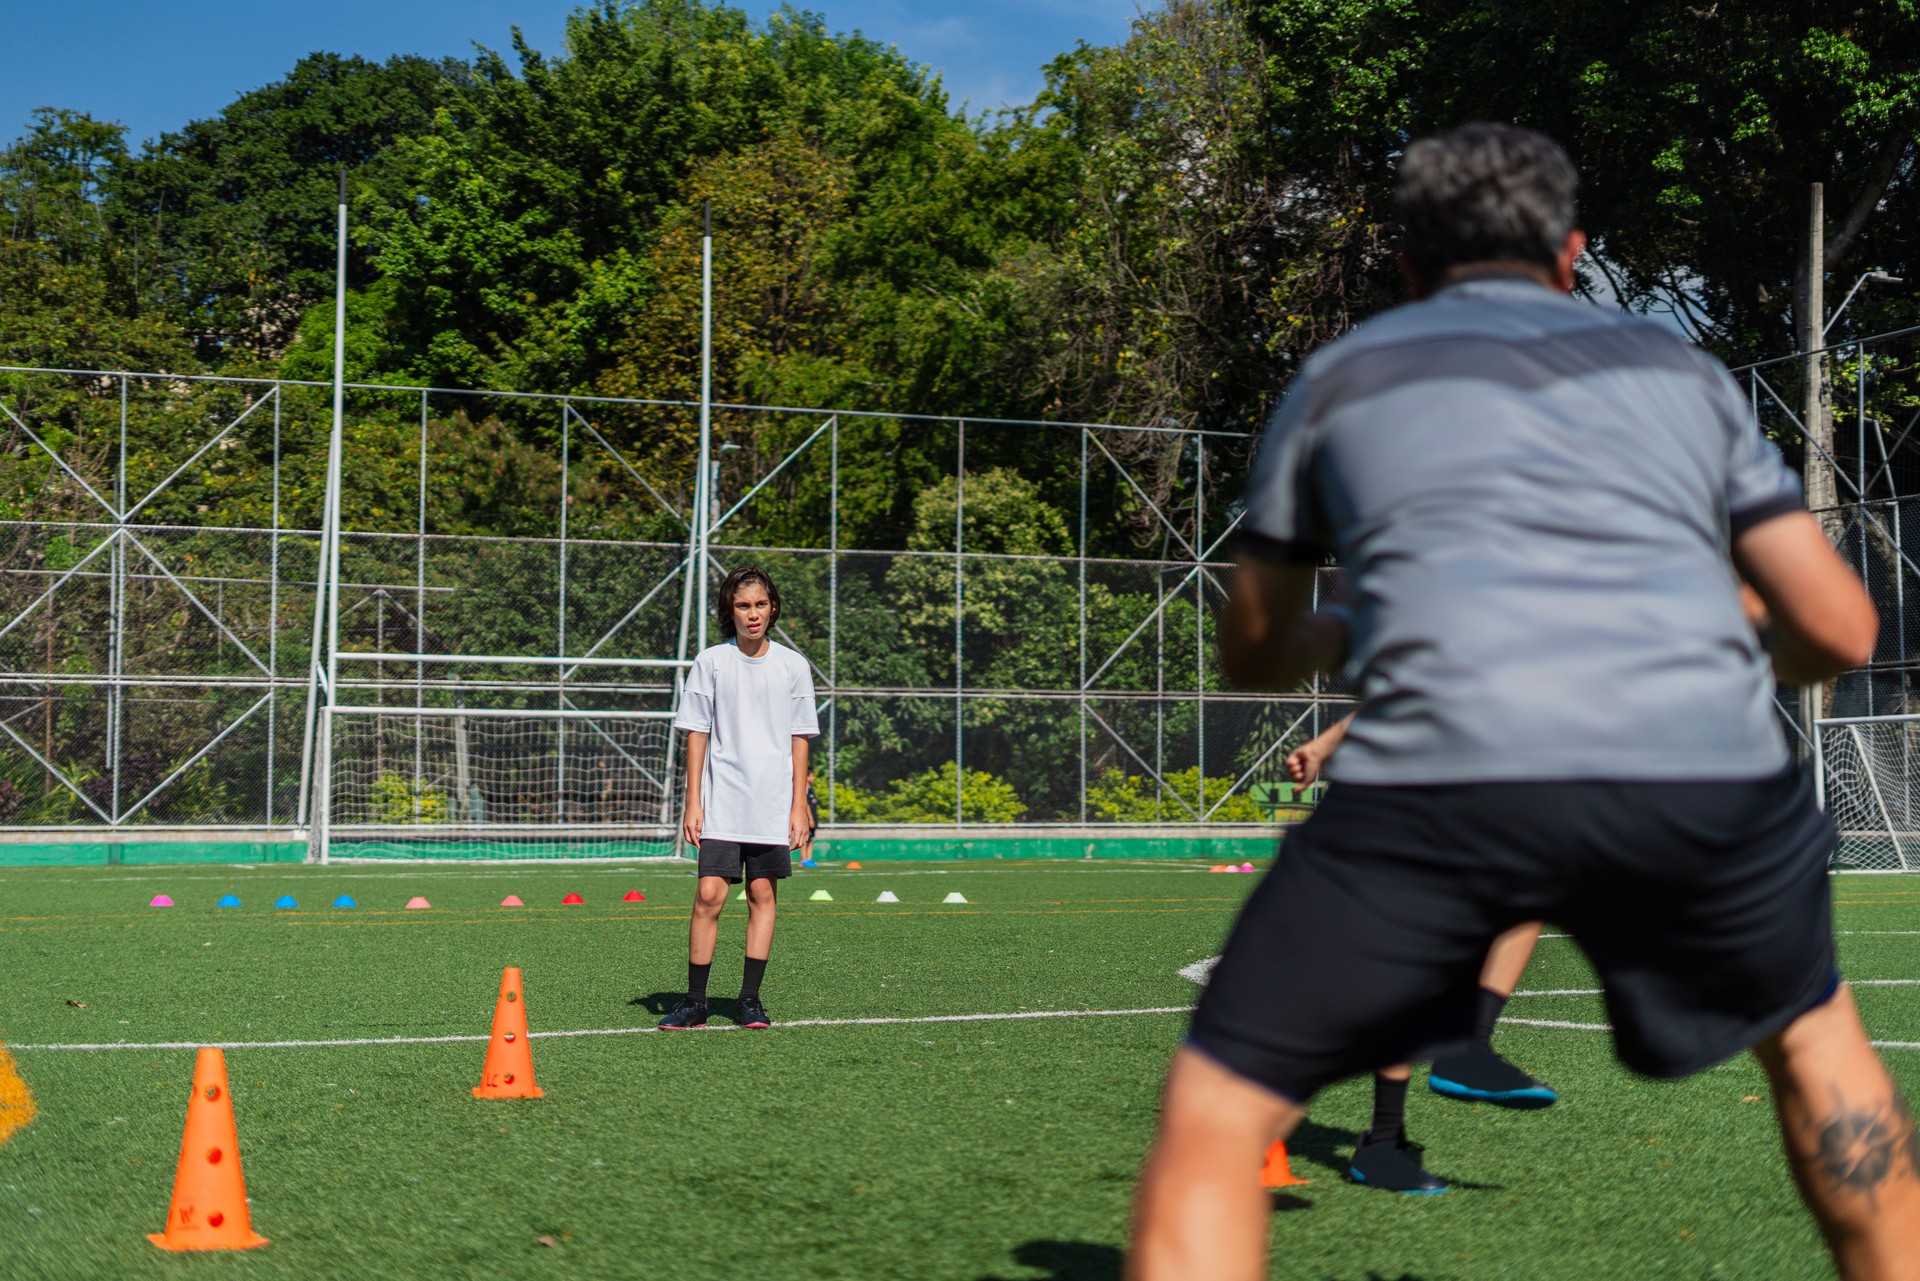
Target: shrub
(1119,797)
(401,800)
(927,797)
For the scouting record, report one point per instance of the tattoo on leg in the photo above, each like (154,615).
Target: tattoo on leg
(1856,1149)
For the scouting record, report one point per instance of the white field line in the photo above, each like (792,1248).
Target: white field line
(1200,971)
(469,1039)
(1862,933)
(600,1031)
(1594,991)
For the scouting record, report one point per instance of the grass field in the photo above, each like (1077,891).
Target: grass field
(980,1149)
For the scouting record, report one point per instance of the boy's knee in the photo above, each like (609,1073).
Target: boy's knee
(711,897)
(760,893)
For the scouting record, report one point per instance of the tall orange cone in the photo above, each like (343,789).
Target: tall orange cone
(209,1209)
(508,1073)
(1276,1174)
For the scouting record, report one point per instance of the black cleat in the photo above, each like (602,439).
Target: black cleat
(689,1013)
(752,1013)
(1393,1165)
(1479,1075)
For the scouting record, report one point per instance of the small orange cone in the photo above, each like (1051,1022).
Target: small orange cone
(508,1073)
(1276,1174)
(855,867)
(209,1208)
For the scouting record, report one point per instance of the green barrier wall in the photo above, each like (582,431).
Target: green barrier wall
(89,853)
(1239,846)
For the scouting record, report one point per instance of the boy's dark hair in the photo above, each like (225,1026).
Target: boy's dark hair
(730,587)
(1485,193)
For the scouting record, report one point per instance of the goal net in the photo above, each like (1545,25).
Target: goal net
(496,783)
(1869,779)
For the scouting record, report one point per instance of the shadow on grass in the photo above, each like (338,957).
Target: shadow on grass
(1085,1261)
(1068,1260)
(658,1002)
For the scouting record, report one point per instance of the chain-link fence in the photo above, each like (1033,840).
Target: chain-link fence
(1009,623)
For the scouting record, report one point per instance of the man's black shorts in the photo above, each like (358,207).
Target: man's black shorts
(731,858)
(1704,906)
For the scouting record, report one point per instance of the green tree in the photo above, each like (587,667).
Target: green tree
(233,216)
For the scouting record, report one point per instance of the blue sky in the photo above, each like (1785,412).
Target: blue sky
(153,66)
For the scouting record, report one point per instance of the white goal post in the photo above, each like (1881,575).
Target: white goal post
(543,779)
(1867,773)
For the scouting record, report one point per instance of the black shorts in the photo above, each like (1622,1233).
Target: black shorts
(731,858)
(1704,906)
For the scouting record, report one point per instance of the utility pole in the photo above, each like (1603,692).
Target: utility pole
(1816,414)
(1820,472)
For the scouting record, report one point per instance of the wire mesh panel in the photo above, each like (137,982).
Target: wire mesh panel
(465,784)
(1870,781)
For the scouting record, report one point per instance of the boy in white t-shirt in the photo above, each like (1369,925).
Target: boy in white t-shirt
(748,713)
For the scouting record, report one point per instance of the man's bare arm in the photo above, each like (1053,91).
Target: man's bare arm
(1271,637)
(1305,762)
(1821,618)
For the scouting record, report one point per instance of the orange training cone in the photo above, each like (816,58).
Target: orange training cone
(1276,1174)
(855,867)
(508,1073)
(209,1208)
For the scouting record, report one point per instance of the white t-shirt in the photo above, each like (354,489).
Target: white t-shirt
(751,709)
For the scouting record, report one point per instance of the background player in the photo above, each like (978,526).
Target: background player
(1384,1157)
(748,713)
(1547,509)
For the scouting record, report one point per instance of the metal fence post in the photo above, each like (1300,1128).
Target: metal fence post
(959,599)
(1082,682)
(833,619)
(560,673)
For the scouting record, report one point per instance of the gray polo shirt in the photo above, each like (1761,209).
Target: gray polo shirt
(1536,500)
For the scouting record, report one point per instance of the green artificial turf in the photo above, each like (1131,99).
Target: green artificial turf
(965,1150)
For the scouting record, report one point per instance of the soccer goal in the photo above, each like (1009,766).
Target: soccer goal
(1868,774)
(518,778)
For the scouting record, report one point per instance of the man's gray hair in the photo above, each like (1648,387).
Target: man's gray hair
(1485,193)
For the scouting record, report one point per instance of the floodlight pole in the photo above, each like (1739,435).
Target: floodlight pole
(703,484)
(326,604)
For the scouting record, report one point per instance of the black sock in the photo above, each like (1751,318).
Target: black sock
(1488,1013)
(750,979)
(1389,1110)
(697,980)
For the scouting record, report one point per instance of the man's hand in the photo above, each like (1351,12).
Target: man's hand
(1304,762)
(1271,637)
(799,822)
(691,823)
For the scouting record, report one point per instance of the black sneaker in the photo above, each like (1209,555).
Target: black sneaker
(1393,1165)
(689,1013)
(752,1013)
(1479,1075)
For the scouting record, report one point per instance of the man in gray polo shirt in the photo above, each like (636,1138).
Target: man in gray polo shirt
(1565,714)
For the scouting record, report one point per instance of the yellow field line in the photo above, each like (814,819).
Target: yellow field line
(16,1101)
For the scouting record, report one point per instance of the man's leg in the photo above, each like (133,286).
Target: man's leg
(1850,1141)
(1200,1210)
(1479,1074)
